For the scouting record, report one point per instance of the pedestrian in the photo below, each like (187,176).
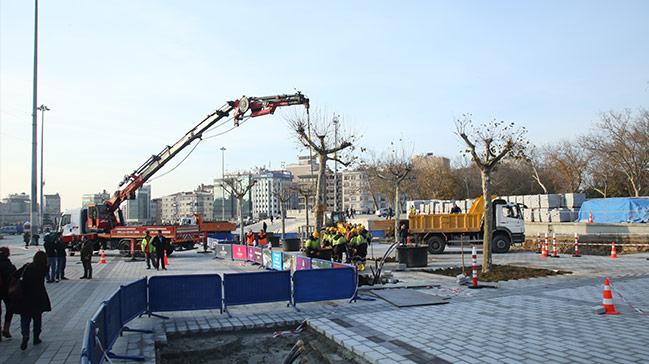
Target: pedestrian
(52,258)
(271,219)
(26,238)
(262,238)
(353,213)
(149,251)
(339,246)
(33,300)
(264,227)
(86,257)
(456,209)
(61,255)
(403,234)
(36,238)
(250,238)
(160,245)
(7,269)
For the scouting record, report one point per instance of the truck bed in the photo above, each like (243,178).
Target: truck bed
(444,223)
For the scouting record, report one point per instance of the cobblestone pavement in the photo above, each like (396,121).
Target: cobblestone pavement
(544,319)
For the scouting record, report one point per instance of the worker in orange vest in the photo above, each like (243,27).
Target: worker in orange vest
(262,239)
(250,237)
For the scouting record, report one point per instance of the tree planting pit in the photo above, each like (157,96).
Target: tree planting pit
(252,346)
(500,272)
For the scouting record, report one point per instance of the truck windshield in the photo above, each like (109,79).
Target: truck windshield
(65,219)
(511,211)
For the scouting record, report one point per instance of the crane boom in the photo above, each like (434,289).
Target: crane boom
(244,107)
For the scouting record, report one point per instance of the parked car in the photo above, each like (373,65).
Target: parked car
(382,212)
(9,229)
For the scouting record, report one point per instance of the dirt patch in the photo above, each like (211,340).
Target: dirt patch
(500,272)
(252,346)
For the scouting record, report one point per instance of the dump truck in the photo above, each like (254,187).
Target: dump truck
(438,230)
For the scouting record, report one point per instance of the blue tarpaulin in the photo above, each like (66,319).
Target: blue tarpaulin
(616,210)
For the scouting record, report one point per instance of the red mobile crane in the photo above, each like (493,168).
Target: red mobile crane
(105,222)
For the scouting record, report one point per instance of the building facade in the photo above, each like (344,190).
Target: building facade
(138,211)
(305,175)
(156,211)
(94,198)
(51,209)
(357,195)
(184,205)
(15,209)
(225,204)
(265,199)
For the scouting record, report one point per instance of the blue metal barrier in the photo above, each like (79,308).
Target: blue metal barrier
(185,293)
(99,322)
(256,287)
(96,352)
(88,345)
(323,284)
(133,300)
(378,233)
(112,317)
(223,251)
(291,236)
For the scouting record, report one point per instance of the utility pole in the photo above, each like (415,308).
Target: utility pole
(222,178)
(43,109)
(33,217)
(335,121)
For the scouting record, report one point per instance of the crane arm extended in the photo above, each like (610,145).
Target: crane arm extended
(243,107)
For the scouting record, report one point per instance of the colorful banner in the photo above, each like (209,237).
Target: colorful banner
(278,263)
(239,252)
(267,258)
(302,262)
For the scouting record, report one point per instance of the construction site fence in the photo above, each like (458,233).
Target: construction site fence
(297,279)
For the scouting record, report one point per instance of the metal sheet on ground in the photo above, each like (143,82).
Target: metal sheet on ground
(408,297)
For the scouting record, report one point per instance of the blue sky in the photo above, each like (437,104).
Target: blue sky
(125,78)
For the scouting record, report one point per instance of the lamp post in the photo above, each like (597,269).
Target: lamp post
(222,179)
(42,109)
(34,192)
(335,121)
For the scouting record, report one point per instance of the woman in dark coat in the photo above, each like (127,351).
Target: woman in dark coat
(7,269)
(35,300)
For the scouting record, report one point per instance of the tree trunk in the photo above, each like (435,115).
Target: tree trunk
(321,197)
(488,220)
(283,212)
(241,234)
(397,212)
(306,208)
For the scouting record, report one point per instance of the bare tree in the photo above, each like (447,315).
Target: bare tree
(306,191)
(394,167)
(488,145)
(566,163)
(284,195)
(621,142)
(239,186)
(328,142)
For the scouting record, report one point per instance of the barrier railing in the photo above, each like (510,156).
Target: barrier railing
(295,279)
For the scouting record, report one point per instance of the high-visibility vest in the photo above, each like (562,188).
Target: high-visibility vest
(357,240)
(262,239)
(311,243)
(146,245)
(338,240)
(250,238)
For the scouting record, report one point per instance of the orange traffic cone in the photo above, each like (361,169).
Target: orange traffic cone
(103,257)
(590,217)
(544,252)
(607,302)
(166,261)
(613,251)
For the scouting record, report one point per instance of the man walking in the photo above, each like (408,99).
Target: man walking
(61,255)
(160,245)
(148,249)
(52,258)
(86,258)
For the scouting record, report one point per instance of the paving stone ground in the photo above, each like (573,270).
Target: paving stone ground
(538,320)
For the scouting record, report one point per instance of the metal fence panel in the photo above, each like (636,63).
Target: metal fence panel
(277,261)
(223,251)
(133,300)
(185,293)
(320,264)
(88,345)
(267,258)
(239,252)
(256,287)
(323,284)
(302,262)
(113,317)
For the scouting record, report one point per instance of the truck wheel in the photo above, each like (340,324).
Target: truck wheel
(124,248)
(436,244)
(500,243)
(170,251)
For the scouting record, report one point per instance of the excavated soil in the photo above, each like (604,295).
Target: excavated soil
(252,346)
(500,272)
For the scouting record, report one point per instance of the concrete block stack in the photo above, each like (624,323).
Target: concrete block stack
(550,207)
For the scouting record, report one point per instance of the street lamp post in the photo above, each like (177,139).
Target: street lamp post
(222,179)
(42,109)
(335,120)
(34,210)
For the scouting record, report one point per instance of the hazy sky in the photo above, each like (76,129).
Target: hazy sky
(125,78)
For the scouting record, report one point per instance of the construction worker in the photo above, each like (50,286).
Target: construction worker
(149,251)
(339,246)
(312,246)
(159,242)
(250,237)
(262,238)
(359,249)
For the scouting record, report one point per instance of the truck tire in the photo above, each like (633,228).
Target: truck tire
(436,244)
(500,243)
(124,248)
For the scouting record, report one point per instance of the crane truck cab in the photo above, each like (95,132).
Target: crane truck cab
(439,230)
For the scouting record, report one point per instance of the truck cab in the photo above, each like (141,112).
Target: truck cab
(509,225)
